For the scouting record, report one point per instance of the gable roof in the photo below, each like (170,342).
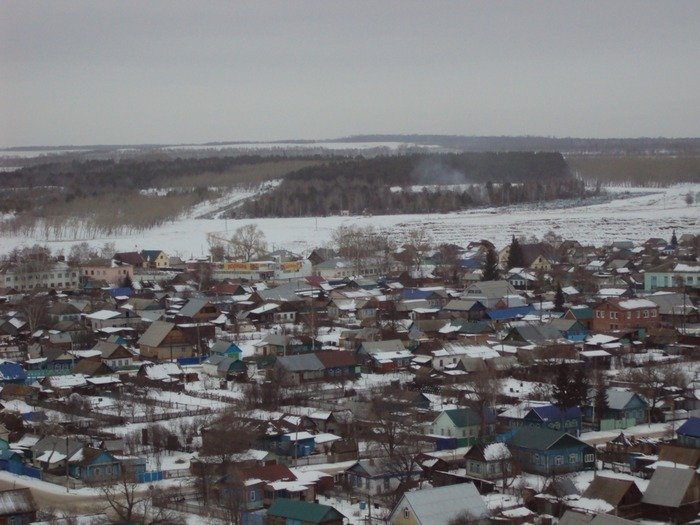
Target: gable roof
(552,412)
(690,427)
(192,307)
(611,490)
(668,486)
(303,511)
(539,438)
(437,506)
(156,333)
(16,501)
(463,417)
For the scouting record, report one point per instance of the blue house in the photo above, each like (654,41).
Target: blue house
(509,314)
(570,329)
(93,464)
(226,349)
(689,433)
(296,444)
(625,409)
(10,461)
(11,372)
(545,451)
(542,414)
(555,418)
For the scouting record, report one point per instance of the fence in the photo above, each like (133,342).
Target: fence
(617,424)
(15,467)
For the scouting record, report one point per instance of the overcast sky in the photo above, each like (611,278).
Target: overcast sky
(175,72)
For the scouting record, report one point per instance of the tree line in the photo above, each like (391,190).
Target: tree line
(383,185)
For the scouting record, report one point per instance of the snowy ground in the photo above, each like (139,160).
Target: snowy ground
(653,212)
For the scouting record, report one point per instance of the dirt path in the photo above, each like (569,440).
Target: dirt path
(52,499)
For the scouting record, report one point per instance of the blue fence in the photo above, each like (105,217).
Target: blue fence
(148,477)
(15,467)
(194,360)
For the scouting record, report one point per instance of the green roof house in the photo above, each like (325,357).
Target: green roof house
(288,511)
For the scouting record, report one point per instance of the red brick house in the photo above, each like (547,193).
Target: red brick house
(625,314)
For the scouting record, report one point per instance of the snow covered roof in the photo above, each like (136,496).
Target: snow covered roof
(103,315)
(634,304)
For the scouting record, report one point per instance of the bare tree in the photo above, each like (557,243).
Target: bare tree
(419,240)
(247,242)
(133,502)
(35,308)
(485,387)
(652,382)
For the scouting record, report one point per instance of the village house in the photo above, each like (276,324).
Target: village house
(540,450)
(164,341)
(625,315)
(111,272)
(439,505)
(155,259)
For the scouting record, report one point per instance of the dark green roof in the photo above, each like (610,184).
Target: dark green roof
(582,314)
(303,511)
(541,438)
(463,417)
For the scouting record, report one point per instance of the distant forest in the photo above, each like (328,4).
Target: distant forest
(74,199)
(386,185)
(614,146)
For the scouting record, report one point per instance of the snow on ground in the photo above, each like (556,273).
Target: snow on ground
(652,212)
(644,430)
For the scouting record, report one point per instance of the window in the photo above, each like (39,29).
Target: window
(573,458)
(252,495)
(629,315)
(558,460)
(646,314)
(589,458)
(406,514)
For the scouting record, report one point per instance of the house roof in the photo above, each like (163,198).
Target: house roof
(552,412)
(272,472)
(337,358)
(610,490)
(618,399)
(300,363)
(437,506)
(538,438)
(192,307)
(463,417)
(303,511)
(391,345)
(690,427)
(16,501)
(668,486)
(571,517)
(156,333)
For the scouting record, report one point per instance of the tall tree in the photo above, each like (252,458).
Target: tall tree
(516,257)
(674,240)
(247,242)
(559,299)
(491,272)
(561,390)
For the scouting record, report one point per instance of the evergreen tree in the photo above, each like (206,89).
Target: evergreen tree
(570,390)
(127,282)
(561,391)
(559,299)
(600,402)
(491,272)
(579,388)
(674,240)
(516,258)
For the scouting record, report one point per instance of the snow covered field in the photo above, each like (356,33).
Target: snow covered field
(651,213)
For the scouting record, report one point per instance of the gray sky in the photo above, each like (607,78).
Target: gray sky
(86,72)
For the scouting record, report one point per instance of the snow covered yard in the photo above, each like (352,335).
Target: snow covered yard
(651,212)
